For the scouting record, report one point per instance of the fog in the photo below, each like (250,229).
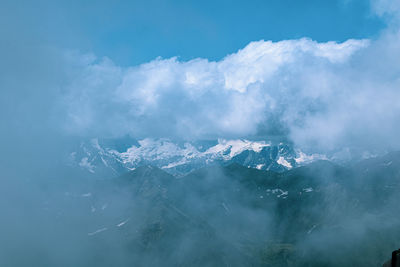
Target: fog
(321,214)
(323,97)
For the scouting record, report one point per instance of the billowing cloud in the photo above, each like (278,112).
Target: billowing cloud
(261,87)
(326,95)
(386,7)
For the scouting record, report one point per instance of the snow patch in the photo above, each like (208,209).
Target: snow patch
(122,223)
(260,166)
(387,163)
(98,231)
(282,161)
(311,229)
(281,192)
(84,163)
(230,148)
(303,158)
(308,189)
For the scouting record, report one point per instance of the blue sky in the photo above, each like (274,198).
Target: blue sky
(133,32)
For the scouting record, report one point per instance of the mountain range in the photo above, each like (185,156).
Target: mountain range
(116,156)
(320,214)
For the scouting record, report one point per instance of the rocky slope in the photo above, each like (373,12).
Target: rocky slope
(321,214)
(118,156)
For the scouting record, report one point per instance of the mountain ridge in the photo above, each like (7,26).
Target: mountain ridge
(96,156)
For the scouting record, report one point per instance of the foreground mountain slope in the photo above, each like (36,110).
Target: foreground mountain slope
(316,215)
(321,214)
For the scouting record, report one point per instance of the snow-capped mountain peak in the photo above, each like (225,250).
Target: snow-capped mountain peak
(230,148)
(183,157)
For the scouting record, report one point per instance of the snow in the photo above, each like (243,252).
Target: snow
(388,163)
(311,229)
(104,161)
(260,166)
(84,163)
(165,150)
(167,154)
(308,189)
(122,223)
(159,149)
(98,231)
(95,143)
(303,158)
(235,147)
(368,155)
(282,161)
(174,164)
(225,207)
(281,192)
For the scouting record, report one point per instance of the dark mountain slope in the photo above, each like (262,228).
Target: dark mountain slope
(321,214)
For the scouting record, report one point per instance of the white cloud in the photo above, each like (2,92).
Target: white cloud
(199,98)
(386,7)
(318,94)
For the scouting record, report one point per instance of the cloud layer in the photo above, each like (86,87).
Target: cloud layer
(317,94)
(387,8)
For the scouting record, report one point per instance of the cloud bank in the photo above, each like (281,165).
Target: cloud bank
(320,95)
(200,98)
(316,94)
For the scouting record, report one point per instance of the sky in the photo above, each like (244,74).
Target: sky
(134,32)
(322,74)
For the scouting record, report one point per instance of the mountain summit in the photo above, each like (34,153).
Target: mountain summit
(178,158)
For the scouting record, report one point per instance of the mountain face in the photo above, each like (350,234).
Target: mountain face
(118,156)
(321,214)
(229,203)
